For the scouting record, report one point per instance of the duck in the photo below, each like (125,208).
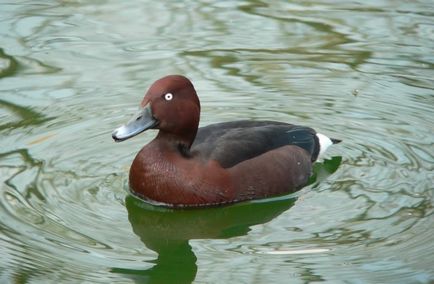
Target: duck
(219,164)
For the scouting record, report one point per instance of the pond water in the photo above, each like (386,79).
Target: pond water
(72,71)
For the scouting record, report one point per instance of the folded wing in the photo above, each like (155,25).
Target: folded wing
(233,142)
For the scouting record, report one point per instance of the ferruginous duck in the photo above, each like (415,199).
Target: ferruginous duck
(223,163)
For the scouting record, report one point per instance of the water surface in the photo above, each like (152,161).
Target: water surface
(72,71)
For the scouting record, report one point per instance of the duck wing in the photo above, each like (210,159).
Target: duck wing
(230,143)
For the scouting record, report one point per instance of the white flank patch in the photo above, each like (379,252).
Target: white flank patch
(324,143)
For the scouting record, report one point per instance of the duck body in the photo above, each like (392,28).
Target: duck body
(187,166)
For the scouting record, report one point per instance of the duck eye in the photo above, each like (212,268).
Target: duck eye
(168,96)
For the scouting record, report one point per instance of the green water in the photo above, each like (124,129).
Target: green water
(72,71)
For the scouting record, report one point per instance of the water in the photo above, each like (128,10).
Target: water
(72,71)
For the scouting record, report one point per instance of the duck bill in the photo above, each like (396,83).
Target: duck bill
(140,122)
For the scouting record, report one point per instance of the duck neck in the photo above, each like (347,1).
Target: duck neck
(179,143)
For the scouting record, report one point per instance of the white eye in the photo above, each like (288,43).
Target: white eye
(168,96)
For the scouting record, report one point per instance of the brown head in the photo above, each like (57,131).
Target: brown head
(170,105)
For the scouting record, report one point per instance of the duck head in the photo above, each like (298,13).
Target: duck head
(170,105)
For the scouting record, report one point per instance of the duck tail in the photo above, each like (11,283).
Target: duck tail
(325,142)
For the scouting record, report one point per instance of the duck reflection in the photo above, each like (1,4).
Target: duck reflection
(168,231)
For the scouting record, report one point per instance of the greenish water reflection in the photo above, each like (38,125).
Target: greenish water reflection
(168,232)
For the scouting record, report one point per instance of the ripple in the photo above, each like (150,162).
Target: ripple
(8,64)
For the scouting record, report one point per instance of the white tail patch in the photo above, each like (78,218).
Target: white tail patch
(324,143)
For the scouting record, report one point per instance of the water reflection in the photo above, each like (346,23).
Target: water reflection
(8,64)
(26,116)
(167,232)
